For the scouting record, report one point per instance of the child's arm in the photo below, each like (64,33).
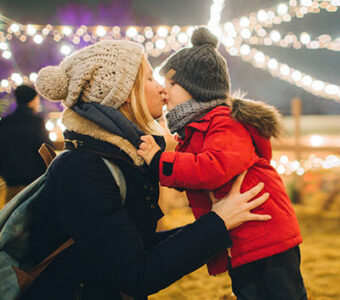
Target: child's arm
(227,151)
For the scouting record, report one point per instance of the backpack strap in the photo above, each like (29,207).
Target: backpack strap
(25,278)
(47,153)
(118,177)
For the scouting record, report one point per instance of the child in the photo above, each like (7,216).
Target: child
(216,142)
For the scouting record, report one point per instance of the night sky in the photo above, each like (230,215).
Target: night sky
(260,85)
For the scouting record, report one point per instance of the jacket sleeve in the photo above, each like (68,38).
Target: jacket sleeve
(90,210)
(227,151)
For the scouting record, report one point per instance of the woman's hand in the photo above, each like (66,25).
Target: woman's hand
(148,148)
(235,209)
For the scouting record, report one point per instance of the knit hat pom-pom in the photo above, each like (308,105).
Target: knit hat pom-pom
(52,83)
(202,35)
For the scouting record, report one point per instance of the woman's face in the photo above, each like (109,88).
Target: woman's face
(174,94)
(154,93)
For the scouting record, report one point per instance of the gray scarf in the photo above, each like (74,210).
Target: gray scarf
(188,112)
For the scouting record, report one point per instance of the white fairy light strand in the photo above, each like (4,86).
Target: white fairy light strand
(7,84)
(252,27)
(285,72)
(284,166)
(240,30)
(157,40)
(274,38)
(215,17)
(283,12)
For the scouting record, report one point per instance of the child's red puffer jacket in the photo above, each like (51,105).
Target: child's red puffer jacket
(216,149)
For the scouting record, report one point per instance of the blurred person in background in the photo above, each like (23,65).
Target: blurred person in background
(21,135)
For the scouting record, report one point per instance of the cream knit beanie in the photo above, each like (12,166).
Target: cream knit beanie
(103,73)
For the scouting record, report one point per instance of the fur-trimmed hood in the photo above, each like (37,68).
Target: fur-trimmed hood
(77,123)
(263,117)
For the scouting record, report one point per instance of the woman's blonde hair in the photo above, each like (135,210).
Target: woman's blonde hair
(136,108)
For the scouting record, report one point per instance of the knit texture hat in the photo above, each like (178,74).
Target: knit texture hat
(103,73)
(24,94)
(200,69)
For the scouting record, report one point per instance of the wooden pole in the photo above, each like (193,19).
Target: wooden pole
(296,107)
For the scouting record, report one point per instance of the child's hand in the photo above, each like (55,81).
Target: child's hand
(148,148)
(170,141)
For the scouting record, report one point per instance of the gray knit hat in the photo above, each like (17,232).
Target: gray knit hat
(103,73)
(200,69)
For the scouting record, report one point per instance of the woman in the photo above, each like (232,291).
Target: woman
(112,100)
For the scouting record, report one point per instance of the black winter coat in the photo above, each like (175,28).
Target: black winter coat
(21,135)
(116,247)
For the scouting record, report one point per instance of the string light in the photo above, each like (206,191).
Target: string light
(261,15)
(275,36)
(290,40)
(49,125)
(254,24)
(131,32)
(61,125)
(305,38)
(67,30)
(287,167)
(53,136)
(30,29)
(282,9)
(272,64)
(33,77)
(14,27)
(245,50)
(306,3)
(100,31)
(6,54)
(162,32)
(183,38)
(38,39)
(163,38)
(246,33)
(4,83)
(3,46)
(284,12)
(16,77)
(283,71)
(65,49)
(215,17)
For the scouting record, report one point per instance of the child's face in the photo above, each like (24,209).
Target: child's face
(174,94)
